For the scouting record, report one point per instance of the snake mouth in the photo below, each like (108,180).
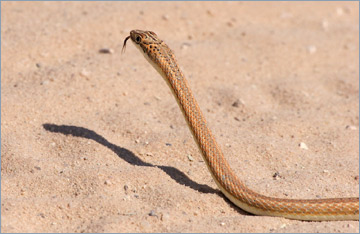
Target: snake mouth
(124,45)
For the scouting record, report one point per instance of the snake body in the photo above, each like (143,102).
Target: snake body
(163,60)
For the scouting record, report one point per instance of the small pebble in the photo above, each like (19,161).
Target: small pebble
(22,191)
(185,45)
(52,144)
(325,24)
(222,224)
(106,51)
(303,146)
(45,82)
(167,144)
(312,49)
(209,13)
(283,225)
(237,103)
(351,127)
(339,11)
(190,158)
(149,154)
(137,141)
(38,65)
(165,17)
(84,73)
(152,213)
(356,177)
(326,171)
(107,182)
(276,176)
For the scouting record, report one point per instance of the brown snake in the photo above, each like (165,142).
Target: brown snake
(163,59)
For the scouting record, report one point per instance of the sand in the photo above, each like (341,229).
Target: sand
(93,141)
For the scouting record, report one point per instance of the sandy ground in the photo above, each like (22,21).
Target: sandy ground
(95,142)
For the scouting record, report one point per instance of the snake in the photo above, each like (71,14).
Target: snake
(162,58)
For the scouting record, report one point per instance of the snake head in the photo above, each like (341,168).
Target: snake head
(145,37)
(144,40)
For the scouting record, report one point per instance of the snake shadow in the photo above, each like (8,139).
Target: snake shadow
(132,159)
(127,155)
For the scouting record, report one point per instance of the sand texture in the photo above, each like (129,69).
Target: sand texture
(92,140)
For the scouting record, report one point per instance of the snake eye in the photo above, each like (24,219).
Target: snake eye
(137,39)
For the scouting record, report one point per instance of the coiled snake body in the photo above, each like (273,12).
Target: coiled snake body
(163,60)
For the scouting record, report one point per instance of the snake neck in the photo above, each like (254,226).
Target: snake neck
(219,168)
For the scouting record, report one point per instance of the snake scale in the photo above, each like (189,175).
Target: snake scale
(162,58)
